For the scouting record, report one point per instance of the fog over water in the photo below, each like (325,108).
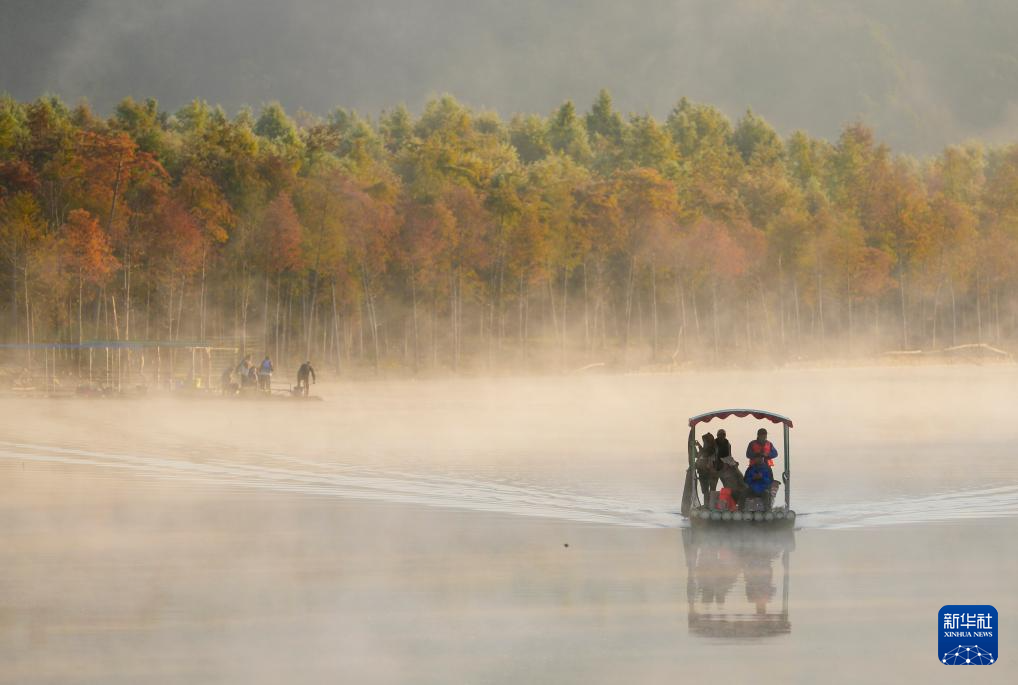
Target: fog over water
(416,531)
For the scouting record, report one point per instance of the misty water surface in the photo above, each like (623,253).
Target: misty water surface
(418,531)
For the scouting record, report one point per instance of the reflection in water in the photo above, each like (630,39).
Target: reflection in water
(719,561)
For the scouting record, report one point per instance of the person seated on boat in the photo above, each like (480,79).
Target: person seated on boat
(707,466)
(732,478)
(724,447)
(759,479)
(761,447)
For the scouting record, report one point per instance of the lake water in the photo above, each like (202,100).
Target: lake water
(503,531)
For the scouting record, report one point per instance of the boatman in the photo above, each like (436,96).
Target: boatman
(305,370)
(761,447)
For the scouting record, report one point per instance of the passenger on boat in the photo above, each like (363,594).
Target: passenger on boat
(759,479)
(724,447)
(732,478)
(761,447)
(707,466)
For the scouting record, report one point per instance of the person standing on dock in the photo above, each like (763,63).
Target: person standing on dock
(243,371)
(265,374)
(303,373)
(226,382)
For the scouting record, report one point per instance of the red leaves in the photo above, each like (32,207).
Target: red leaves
(17,176)
(206,203)
(716,250)
(87,249)
(280,236)
(178,243)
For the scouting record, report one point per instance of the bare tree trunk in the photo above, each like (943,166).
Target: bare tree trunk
(954,314)
(28,316)
(904,312)
(781,300)
(14,296)
(116,331)
(681,297)
(653,311)
(201,301)
(714,317)
(520,329)
(98,312)
(180,311)
(586,312)
(979,310)
(563,361)
(996,315)
(848,296)
(286,321)
(696,322)
(275,325)
(766,314)
(551,301)
(798,321)
(265,315)
(413,296)
(820,307)
(434,330)
(372,316)
(936,310)
(629,303)
(336,331)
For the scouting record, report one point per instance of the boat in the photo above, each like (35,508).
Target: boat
(774,515)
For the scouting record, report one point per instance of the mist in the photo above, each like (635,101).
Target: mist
(502,529)
(923,74)
(512,320)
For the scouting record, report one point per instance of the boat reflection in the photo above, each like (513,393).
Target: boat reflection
(731,586)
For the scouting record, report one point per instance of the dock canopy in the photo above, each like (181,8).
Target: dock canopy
(741,413)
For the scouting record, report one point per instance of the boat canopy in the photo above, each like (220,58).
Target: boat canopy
(755,413)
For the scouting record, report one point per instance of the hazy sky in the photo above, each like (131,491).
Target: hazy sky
(924,72)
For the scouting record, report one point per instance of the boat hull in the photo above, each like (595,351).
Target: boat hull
(705,518)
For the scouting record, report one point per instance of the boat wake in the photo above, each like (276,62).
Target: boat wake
(285,474)
(957,505)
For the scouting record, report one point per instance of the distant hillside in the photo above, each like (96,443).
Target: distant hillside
(923,73)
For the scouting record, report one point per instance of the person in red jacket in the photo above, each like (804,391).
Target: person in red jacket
(761,447)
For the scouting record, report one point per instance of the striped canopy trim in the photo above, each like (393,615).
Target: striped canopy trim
(741,413)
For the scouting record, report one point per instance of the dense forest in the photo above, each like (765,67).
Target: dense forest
(456,240)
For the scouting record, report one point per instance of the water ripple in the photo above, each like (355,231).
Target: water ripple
(285,474)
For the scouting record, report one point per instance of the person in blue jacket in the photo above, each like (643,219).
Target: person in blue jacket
(265,370)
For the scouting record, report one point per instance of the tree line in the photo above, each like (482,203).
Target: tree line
(457,240)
